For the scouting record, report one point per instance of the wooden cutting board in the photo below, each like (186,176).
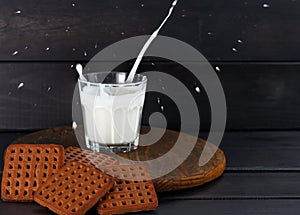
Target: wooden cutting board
(187,175)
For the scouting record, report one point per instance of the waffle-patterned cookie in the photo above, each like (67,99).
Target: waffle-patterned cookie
(74,189)
(88,157)
(26,167)
(128,194)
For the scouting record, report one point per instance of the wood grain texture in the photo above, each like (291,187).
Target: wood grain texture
(244,185)
(259,96)
(188,174)
(213,207)
(262,151)
(229,207)
(213,27)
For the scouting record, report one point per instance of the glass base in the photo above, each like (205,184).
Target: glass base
(108,148)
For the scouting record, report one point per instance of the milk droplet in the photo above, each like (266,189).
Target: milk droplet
(183,15)
(153,64)
(49,88)
(20,85)
(48,48)
(234,49)
(197,89)
(85,53)
(68,28)
(9,93)
(122,33)
(46,35)
(96,45)
(74,125)
(35,105)
(266,5)
(18,12)
(26,47)
(142,5)
(209,33)
(218,68)
(117,6)
(158,100)
(73,49)
(162,108)
(210,15)
(72,65)
(15,53)
(239,41)
(73,4)
(163,88)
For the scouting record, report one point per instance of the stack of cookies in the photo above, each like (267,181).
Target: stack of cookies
(73,180)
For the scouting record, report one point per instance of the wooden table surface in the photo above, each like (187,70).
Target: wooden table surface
(262,177)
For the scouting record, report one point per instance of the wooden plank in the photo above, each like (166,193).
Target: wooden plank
(244,185)
(44,97)
(259,96)
(226,207)
(262,151)
(229,207)
(214,27)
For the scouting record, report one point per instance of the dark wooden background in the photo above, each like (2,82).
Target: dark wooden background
(260,79)
(254,43)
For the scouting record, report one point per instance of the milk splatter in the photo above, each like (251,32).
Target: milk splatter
(15,53)
(74,125)
(266,5)
(20,85)
(147,44)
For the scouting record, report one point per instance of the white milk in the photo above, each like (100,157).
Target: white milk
(148,43)
(112,119)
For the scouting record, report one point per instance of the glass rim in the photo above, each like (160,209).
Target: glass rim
(144,79)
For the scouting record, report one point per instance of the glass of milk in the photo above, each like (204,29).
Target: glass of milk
(112,110)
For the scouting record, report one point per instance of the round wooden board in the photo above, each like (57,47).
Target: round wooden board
(188,174)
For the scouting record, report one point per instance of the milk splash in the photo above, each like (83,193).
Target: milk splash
(147,44)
